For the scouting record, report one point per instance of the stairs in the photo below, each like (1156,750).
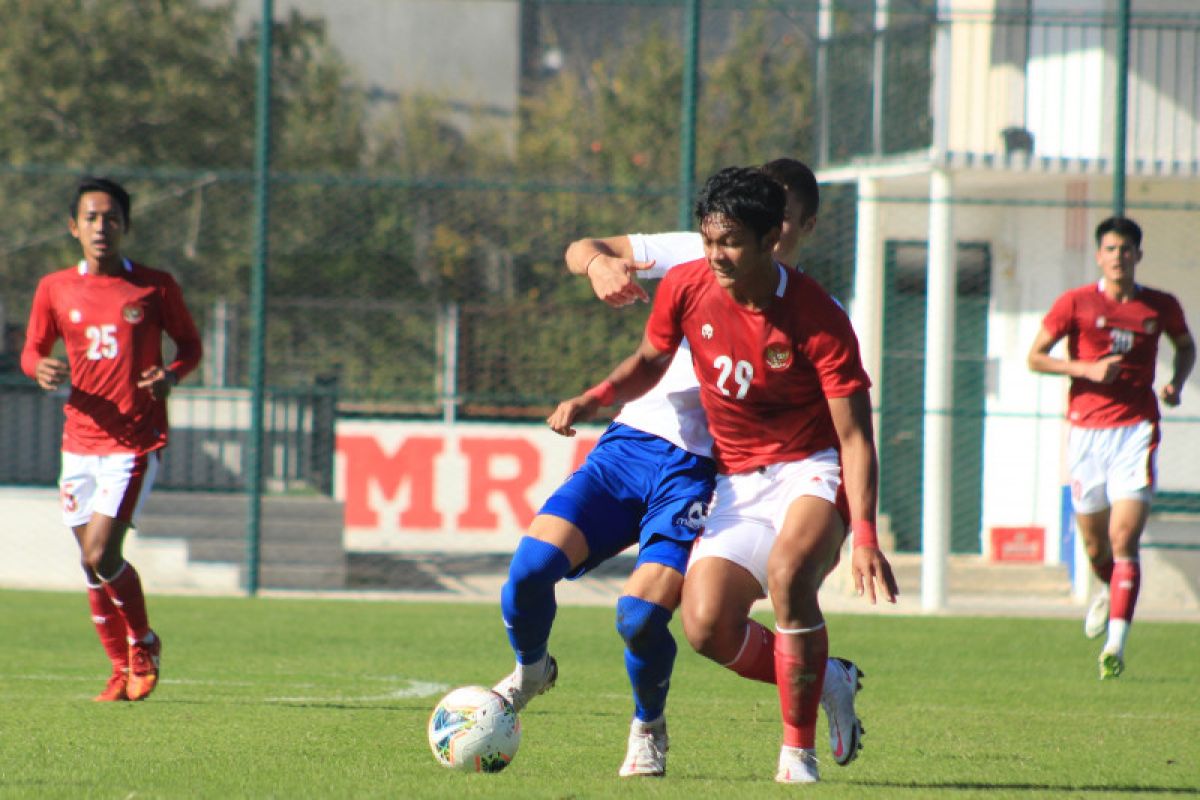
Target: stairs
(301,544)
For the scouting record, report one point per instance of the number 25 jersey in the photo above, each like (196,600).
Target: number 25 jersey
(112,326)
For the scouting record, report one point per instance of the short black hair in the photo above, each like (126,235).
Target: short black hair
(797,178)
(91,183)
(745,195)
(1121,226)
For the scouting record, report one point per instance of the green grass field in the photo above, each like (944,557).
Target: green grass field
(329,698)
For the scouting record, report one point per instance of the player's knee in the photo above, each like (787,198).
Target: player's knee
(535,566)
(642,624)
(712,635)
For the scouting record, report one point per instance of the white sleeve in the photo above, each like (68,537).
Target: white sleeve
(667,250)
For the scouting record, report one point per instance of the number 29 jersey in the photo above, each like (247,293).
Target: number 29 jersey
(112,327)
(765,375)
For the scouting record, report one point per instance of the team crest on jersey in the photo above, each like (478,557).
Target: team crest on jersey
(778,356)
(74,315)
(1101,321)
(132,314)
(1150,326)
(706,331)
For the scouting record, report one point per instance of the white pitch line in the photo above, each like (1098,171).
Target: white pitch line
(414,689)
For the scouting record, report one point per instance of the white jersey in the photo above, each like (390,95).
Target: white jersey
(671,410)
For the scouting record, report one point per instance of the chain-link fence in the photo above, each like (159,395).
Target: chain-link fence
(419,205)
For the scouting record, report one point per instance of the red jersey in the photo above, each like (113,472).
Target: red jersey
(765,376)
(1096,326)
(112,327)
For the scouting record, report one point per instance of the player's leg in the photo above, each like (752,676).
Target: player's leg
(726,575)
(649,598)
(551,549)
(124,481)
(1130,489)
(1128,520)
(806,547)
(77,490)
(679,489)
(1088,454)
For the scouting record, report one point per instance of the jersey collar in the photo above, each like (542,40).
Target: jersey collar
(124,261)
(783,279)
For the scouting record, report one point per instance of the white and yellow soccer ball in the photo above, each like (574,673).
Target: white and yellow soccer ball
(475,730)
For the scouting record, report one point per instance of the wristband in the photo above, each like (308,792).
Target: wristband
(864,534)
(604,392)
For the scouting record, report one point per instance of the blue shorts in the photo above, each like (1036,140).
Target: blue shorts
(636,488)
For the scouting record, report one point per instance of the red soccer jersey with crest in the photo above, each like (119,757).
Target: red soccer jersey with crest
(765,376)
(112,327)
(1096,326)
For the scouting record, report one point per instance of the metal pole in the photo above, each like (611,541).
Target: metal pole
(939,394)
(1122,109)
(687,137)
(450,363)
(258,300)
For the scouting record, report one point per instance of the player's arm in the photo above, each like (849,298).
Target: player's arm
(1039,359)
(1185,359)
(631,379)
(40,335)
(860,475)
(179,325)
(610,266)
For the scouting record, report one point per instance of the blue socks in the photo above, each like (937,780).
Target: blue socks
(649,654)
(527,599)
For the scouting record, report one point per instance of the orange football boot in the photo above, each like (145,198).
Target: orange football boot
(143,667)
(114,692)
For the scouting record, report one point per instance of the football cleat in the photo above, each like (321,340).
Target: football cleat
(797,765)
(519,692)
(646,755)
(114,691)
(143,667)
(842,683)
(1095,624)
(1111,665)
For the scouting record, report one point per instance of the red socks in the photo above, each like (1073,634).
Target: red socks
(110,627)
(1123,589)
(756,659)
(125,590)
(800,659)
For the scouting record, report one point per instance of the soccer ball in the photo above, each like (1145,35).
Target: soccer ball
(475,730)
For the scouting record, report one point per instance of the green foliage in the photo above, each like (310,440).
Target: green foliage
(376,220)
(330,698)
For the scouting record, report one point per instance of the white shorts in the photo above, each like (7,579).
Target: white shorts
(1108,464)
(113,485)
(749,509)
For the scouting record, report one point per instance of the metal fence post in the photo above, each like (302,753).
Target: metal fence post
(258,300)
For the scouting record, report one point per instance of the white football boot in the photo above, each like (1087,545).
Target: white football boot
(646,755)
(797,766)
(527,682)
(1095,624)
(842,682)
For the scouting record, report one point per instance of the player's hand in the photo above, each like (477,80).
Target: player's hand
(577,409)
(1169,395)
(50,373)
(614,279)
(159,380)
(869,567)
(1105,370)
